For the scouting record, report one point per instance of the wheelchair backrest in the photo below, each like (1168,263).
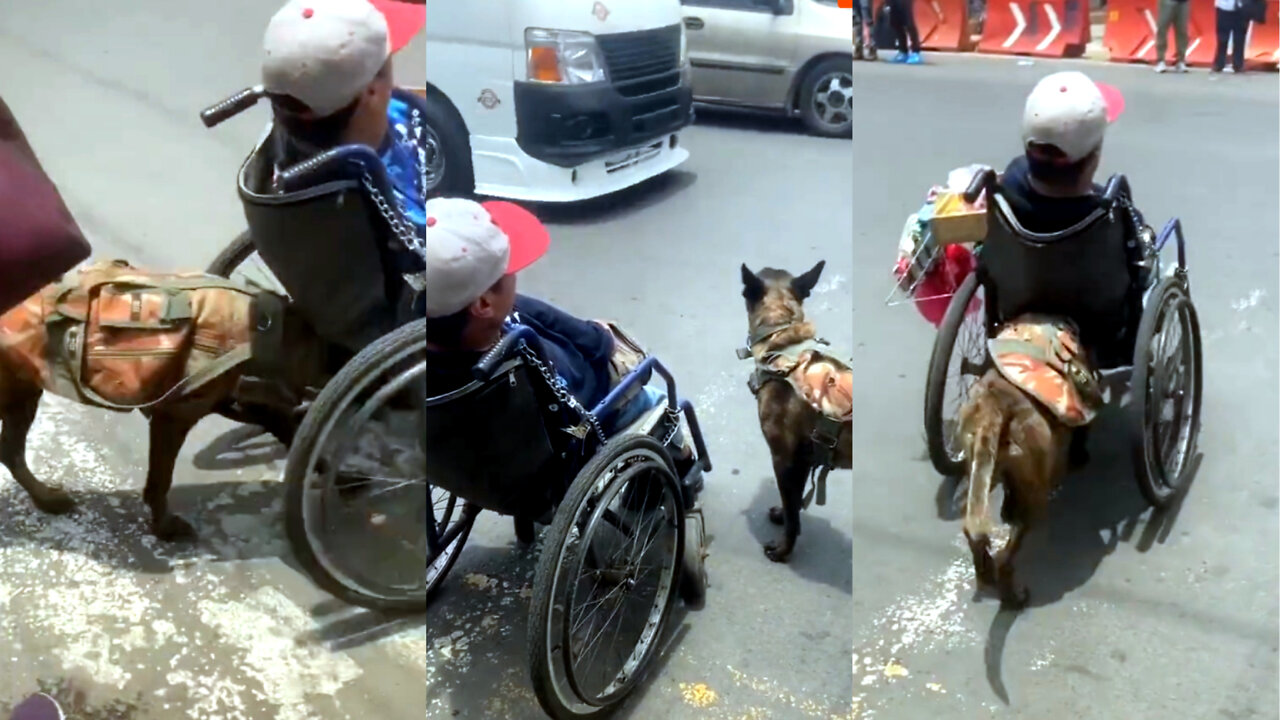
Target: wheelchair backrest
(490,443)
(1080,272)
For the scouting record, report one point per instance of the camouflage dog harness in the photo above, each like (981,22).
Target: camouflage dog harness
(1041,355)
(121,338)
(823,380)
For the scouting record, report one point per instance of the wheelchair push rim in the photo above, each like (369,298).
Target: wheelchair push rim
(1166,392)
(385,514)
(957,362)
(240,261)
(615,546)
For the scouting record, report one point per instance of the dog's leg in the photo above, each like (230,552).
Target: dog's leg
(984,427)
(168,432)
(18,414)
(791,479)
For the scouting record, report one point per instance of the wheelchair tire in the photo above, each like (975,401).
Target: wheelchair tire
(232,256)
(551,616)
(945,461)
(1161,490)
(693,563)
(313,431)
(447,136)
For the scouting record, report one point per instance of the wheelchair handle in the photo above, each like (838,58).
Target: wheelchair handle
(983,181)
(364,156)
(232,106)
(1117,187)
(483,370)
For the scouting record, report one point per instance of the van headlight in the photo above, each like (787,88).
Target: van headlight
(563,57)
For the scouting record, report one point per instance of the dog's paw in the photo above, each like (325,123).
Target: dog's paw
(777,553)
(775,515)
(174,529)
(54,502)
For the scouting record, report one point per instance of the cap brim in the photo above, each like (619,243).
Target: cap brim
(1113,99)
(405,18)
(527,235)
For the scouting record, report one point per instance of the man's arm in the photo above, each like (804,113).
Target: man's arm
(592,340)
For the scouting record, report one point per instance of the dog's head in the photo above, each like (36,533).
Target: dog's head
(775,297)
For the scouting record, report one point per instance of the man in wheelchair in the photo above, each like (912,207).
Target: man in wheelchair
(473,254)
(1051,192)
(328,72)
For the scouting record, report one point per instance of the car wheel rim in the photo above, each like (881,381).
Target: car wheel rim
(833,99)
(435,161)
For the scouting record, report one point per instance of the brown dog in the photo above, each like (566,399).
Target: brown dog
(1009,438)
(32,335)
(793,379)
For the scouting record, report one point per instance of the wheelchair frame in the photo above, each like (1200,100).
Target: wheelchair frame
(1165,293)
(305,424)
(585,456)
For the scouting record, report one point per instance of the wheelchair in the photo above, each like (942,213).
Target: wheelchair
(356,490)
(624,532)
(1150,361)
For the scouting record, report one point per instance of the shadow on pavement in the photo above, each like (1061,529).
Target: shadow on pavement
(750,120)
(240,447)
(342,627)
(819,540)
(1095,509)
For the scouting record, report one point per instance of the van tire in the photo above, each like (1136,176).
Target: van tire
(453,143)
(840,68)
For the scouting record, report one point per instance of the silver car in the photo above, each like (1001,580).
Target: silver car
(787,56)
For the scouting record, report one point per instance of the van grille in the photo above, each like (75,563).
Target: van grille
(643,62)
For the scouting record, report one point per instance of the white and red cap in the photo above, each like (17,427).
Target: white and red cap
(471,245)
(1069,111)
(325,52)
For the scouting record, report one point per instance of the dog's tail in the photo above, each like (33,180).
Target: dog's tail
(982,425)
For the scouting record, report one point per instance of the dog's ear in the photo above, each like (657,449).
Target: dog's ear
(752,286)
(804,284)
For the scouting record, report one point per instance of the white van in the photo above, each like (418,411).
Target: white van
(553,100)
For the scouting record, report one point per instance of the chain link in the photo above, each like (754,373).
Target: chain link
(396,216)
(557,387)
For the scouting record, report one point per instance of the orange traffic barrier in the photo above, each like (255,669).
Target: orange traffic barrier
(943,24)
(1044,28)
(1131,34)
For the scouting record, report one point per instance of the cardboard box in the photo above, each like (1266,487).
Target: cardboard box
(956,222)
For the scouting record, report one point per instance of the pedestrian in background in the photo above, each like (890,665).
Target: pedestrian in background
(1232,26)
(903,20)
(864,22)
(1172,12)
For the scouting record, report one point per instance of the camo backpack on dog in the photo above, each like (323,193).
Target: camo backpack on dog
(117,337)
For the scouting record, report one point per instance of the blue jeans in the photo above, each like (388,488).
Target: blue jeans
(649,398)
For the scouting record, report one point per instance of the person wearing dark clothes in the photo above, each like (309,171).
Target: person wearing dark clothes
(864,23)
(1050,187)
(1233,26)
(474,252)
(903,21)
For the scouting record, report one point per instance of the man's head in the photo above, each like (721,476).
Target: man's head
(327,66)
(474,251)
(1063,126)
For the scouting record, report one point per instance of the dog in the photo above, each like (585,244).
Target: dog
(1021,426)
(793,392)
(31,334)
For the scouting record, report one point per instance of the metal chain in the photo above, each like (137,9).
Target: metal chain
(673,414)
(396,216)
(557,387)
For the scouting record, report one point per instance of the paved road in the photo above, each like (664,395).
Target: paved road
(773,640)
(90,604)
(1134,620)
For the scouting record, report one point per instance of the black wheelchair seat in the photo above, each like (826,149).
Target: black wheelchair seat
(319,228)
(503,455)
(1081,272)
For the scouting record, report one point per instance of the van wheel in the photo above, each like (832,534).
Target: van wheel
(826,98)
(448,152)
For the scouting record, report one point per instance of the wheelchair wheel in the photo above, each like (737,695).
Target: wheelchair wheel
(693,563)
(448,526)
(607,580)
(1166,399)
(357,493)
(958,360)
(240,261)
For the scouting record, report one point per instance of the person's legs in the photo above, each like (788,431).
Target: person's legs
(864,24)
(897,21)
(1222,26)
(909,18)
(1165,18)
(1181,11)
(627,356)
(1239,39)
